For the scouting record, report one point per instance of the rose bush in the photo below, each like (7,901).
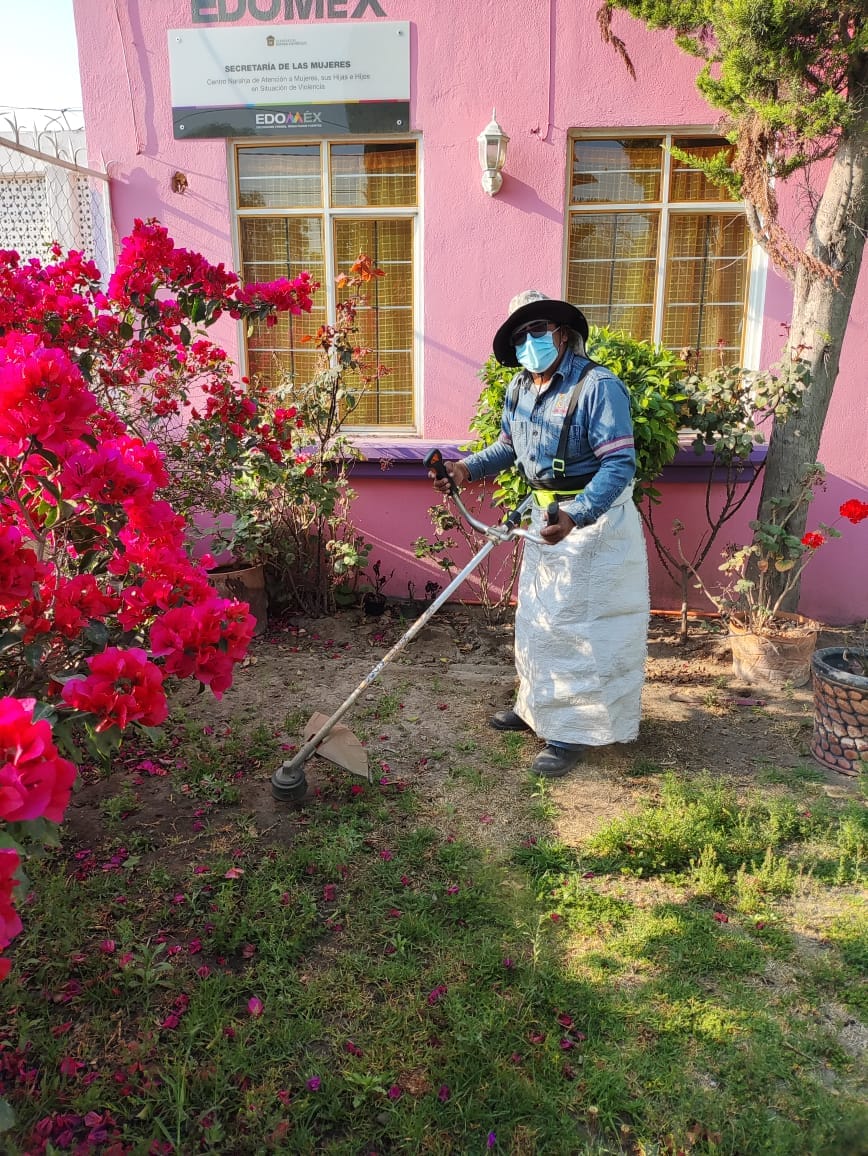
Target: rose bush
(774,549)
(100,602)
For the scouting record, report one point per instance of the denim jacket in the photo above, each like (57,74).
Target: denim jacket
(600,438)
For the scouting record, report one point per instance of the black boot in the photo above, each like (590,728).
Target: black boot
(555,762)
(508,720)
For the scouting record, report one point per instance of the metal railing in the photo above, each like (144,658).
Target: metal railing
(48,194)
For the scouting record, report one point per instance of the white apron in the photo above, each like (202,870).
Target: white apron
(581,630)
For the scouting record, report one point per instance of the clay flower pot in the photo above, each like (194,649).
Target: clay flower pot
(780,655)
(247,584)
(840,738)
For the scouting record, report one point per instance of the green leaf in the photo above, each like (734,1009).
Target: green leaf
(7,1116)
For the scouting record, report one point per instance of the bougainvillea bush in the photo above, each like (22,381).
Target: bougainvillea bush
(100,602)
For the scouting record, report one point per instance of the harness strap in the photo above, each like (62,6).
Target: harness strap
(559,464)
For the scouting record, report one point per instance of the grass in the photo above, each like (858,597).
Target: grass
(357,979)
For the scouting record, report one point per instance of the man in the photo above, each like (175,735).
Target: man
(581,619)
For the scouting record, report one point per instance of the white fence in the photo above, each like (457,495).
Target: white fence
(48,195)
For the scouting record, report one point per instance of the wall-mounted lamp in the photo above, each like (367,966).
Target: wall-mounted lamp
(492,142)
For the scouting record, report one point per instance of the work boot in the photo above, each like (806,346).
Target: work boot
(555,762)
(508,720)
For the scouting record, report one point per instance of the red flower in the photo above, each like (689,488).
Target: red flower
(34,781)
(813,541)
(854,510)
(124,686)
(10,924)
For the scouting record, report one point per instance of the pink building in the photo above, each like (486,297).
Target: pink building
(310,130)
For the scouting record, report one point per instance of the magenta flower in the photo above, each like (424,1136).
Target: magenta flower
(313,1084)
(108,946)
(492,1139)
(436,994)
(386,855)
(508,963)
(566,1021)
(352,1049)
(328,893)
(395,1092)
(443,1093)
(255,1006)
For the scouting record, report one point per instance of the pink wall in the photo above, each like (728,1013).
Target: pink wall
(543,66)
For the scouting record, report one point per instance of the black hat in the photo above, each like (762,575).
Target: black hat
(531,305)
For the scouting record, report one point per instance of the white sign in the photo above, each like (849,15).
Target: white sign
(334,78)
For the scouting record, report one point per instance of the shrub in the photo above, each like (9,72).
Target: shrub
(100,603)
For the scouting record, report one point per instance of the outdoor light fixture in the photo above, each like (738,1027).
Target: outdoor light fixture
(492,142)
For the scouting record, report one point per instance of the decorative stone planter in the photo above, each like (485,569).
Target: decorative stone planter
(840,738)
(776,657)
(247,585)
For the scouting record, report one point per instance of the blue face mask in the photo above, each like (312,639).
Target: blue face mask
(537,354)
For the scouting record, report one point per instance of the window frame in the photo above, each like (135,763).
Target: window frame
(757,265)
(328,214)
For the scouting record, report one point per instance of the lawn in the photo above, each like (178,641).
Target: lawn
(436,962)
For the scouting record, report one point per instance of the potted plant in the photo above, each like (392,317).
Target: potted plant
(768,644)
(373,599)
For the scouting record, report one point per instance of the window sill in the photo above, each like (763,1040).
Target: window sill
(400,459)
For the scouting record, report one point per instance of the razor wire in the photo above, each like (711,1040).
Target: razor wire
(49,195)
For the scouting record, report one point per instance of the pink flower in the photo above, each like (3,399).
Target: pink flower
(437,993)
(721,917)
(313,1084)
(34,781)
(107,946)
(386,855)
(443,1093)
(255,1006)
(328,892)
(234,873)
(124,686)
(395,1092)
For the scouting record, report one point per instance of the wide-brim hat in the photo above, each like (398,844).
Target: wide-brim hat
(531,305)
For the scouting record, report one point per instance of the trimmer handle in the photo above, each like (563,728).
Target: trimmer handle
(553,513)
(434,461)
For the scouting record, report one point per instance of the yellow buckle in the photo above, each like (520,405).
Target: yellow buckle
(546,497)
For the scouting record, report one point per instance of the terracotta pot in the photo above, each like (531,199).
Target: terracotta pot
(840,738)
(774,658)
(247,584)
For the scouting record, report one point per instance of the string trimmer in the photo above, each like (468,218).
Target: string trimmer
(288,783)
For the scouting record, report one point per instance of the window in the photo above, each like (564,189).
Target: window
(655,249)
(317,206)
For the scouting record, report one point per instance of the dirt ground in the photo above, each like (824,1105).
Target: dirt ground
(424,720)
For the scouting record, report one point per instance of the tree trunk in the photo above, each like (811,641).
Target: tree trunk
(821,310)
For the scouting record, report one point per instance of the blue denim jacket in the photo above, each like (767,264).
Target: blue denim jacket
(600,440)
